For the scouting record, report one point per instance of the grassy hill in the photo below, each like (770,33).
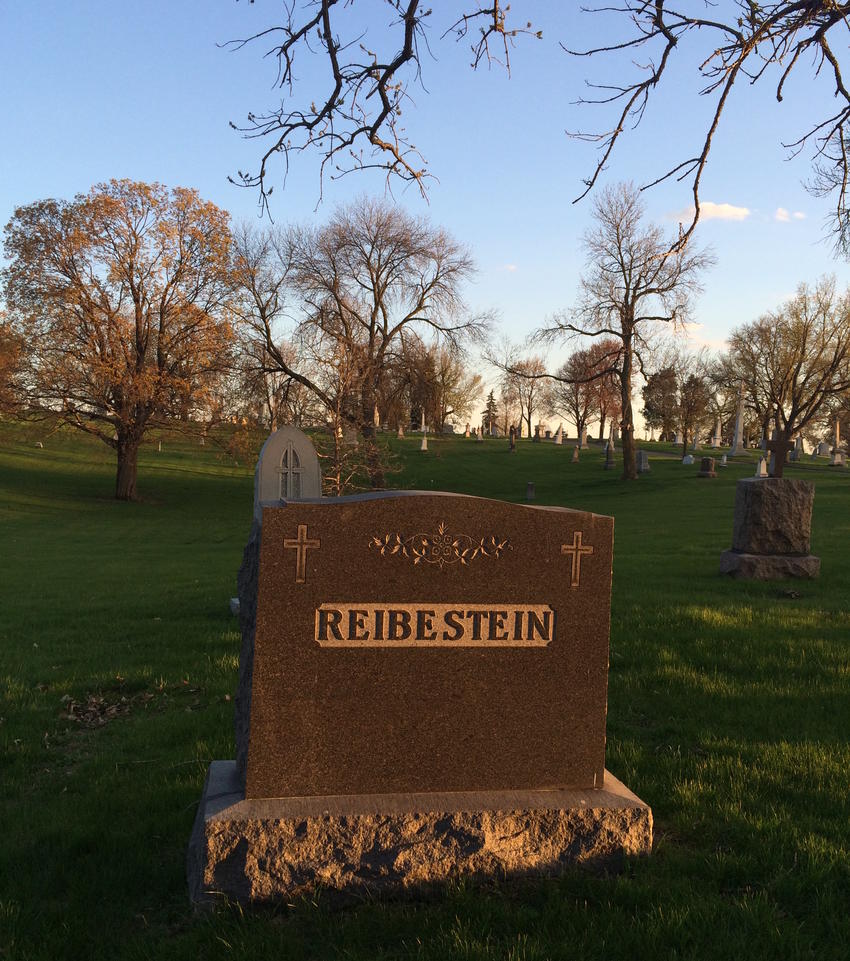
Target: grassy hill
(728,707)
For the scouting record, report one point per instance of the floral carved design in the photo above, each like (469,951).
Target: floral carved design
(441,547)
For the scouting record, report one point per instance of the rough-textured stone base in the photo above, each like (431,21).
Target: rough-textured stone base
(768,567)
(773,516)
(268,850)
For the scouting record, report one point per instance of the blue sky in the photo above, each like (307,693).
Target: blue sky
(96,89)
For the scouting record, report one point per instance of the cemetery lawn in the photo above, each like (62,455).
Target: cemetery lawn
(728,711)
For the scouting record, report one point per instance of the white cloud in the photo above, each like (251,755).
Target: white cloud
(782,215)
(510,268)
(799,215)
(711,211)
(708,210)
(696,337)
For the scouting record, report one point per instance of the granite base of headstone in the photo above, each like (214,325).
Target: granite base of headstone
(837,459)
(457,731)
(772,530)
(706,468)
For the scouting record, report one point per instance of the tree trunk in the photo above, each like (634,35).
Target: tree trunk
(602,428)
(783,438)
(128,457)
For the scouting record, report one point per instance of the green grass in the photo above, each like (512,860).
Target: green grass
(728,710)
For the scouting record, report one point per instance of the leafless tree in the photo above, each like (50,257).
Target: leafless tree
(353,121)
(582,386)
(528,382)
(797,358)
(357,287)
(352,116)
(634,281)
(734,43)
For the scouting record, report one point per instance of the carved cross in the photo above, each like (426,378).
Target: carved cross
(576,549)
(301,544)
(777,447)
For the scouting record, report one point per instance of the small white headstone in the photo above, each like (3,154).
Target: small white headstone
(761,469)
(287,469)
(687,460)
(678,438)
(424,444)
(642,462)
(723,462)
(559,434)
(400,432)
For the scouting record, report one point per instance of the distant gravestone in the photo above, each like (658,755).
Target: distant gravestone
(424,444)
(716,436)
(575,454)
(547,435)
(529,491)
(738,437)
(400,434)
(678,440)
(642,462)
(512,439)
(536,438)
(723,461)
(837,459)
(687,460)
(349,437)
(287,469)
(609,455)
(707,468)
(559,434)
(479,437)
(761,468)
(466,432)
(392,738)
(823,449)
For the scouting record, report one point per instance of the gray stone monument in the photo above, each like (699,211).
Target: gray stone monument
(687,460)
(642,462)
(287,469)
(609,455)
(772,530)
(716,437)
(738,437)
(559,434)
(761,468)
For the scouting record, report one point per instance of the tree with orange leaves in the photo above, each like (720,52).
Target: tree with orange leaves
(120,299)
